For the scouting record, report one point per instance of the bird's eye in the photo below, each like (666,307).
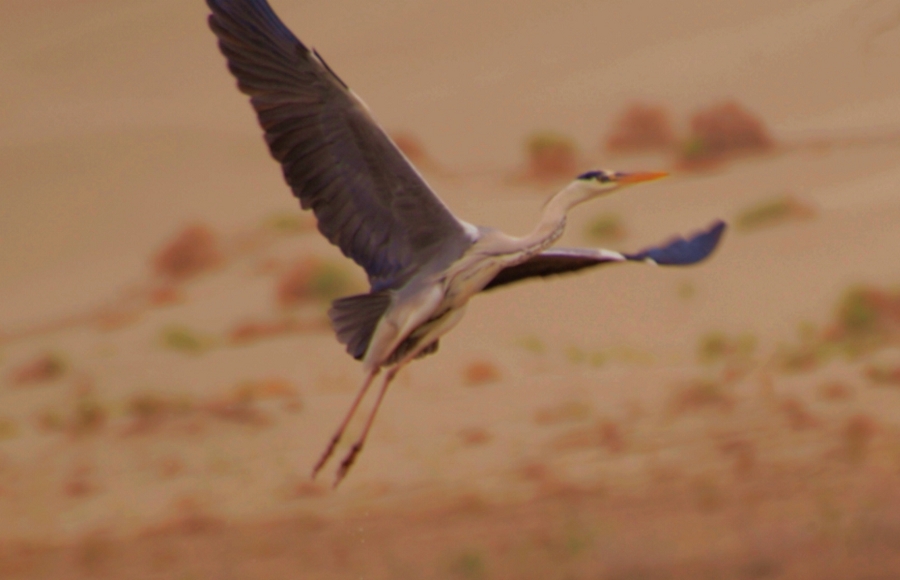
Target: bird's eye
(600,176)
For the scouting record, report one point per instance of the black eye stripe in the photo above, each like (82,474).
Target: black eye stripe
(598,175)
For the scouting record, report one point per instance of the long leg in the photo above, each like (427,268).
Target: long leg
(347,463)
(444,324)
(335,439)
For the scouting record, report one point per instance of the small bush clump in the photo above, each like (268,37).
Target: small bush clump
(772,212)
(607,227)
(185,340)
(551,156)
(312,279)
(193,251)
(41,369)
(641,127)
(723,130)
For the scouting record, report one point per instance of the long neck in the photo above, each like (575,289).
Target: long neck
(553,218)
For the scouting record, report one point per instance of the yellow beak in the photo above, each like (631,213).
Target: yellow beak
(640,176)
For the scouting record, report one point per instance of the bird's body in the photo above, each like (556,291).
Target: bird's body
(423,263)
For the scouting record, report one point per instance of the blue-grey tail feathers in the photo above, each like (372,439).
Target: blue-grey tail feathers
(354,319)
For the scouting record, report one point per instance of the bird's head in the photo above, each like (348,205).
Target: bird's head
(593,184)
(604,181)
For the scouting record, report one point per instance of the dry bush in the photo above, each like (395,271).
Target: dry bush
(90,415)
(607,227)
(857,433)
(87,414)
(480,372)
(249,331)
(743,453)
(641,127)
(532,344)
(311,279)
(835,391)
(724,130)
(193,251)
(716,347)
(701,395)
(185,340)
(773,212)
(474,436)
(79,482)
(41,369)
(164,295)
(534,471)
(149,411)
(611,436)
(551,156)
(289,222)
(867,317)
(883,375)
(798,415)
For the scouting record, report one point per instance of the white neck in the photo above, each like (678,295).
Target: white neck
(553,218)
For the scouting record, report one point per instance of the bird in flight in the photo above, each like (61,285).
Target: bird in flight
(423,263)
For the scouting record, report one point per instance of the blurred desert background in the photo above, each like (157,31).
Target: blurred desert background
(168,376)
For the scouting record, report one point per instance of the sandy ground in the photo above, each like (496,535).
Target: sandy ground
(574,428)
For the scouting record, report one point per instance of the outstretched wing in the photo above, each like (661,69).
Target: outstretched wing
(368,199)
(676,252)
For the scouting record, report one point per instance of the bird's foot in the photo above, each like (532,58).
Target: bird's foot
(326,454)
(347,463)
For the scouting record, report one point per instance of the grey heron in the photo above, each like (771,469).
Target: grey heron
(423,263)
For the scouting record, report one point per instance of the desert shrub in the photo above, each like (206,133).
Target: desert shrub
(716,346)
(193,251)
(312,279)
(866,318)
(883,375)
(532,344)
(607,227)
(773,212)
(551,156)
(701,394)
(474,436)
(835,391)
(289,222)
(858,432)
(183,339)
(641,127)
(798,415)
(480,372)
(43,368)
(723,130)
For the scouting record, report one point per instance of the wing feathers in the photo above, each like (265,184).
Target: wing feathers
(338,162)
(676,252)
